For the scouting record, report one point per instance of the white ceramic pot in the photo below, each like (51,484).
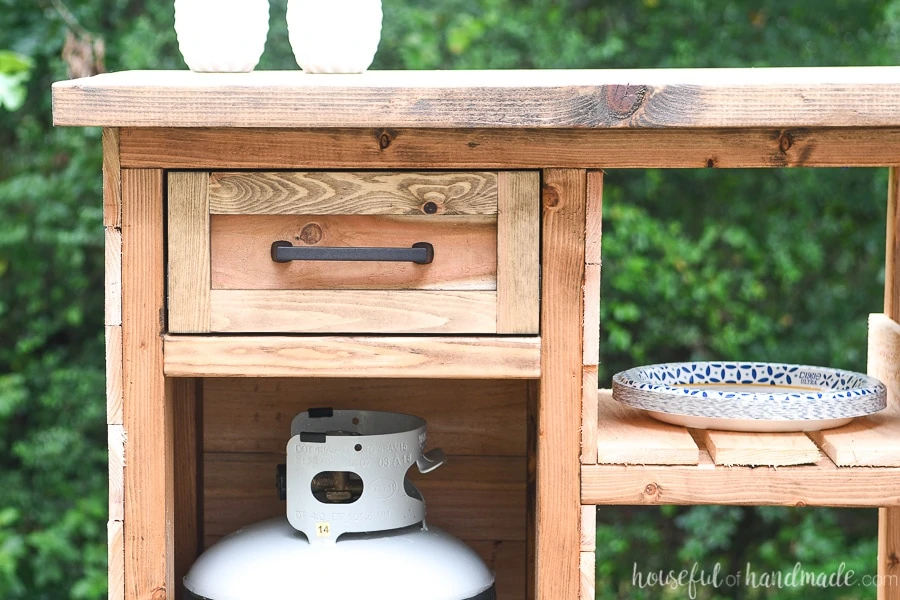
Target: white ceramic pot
(334,36)
(221,36)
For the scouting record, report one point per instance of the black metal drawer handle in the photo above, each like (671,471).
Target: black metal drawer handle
(421,253)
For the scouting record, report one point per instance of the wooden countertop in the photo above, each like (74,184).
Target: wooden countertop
(573,99)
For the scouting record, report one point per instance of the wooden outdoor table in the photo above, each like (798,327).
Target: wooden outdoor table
(212,347)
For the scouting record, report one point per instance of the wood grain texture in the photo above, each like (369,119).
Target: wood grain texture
(587,568)
(593,237)
(889,518)
(591,290)
(353,311)
(558,509)
(822,484)
(465,252)
(367,193)
(531,488)
(589,415)
(239,489)
(629,436)
(148,531)
(420,357)
(114,375)
(730,448)
(112,179)
(588,528)
(874,440)
(116,444)
(189,252)
(892,248)
(465,418)
(507,560)
(518,252)
(183,395)
(699,98)
(115,560)
(378,148)
(112,275)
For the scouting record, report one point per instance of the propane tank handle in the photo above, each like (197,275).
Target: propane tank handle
(431,460)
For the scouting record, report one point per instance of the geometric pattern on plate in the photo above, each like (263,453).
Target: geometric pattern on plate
(750,390)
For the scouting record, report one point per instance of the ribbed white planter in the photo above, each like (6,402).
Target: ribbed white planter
(334,36)
(221,36)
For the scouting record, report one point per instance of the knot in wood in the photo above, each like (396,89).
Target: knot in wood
(158,594)
(551,196)
(385,138)
(624,100)
(311,234)
(785,141)
(892,560)
(651,489)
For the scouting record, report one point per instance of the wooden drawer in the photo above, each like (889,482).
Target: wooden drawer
(483,227)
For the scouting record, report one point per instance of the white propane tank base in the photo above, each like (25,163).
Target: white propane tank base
(274,561)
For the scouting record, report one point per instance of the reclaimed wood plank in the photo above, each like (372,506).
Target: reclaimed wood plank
(336,356)
(593,237)
(239,490)
(518,252)
(114,375)
(465,252)
(588,528)
(892,248)
(115,548)
(112,178)
(378,148)
(112,275)
(365,193)
(631,437)
(657,98)
(353,311)
(590,416)
(184,396)
(465,417)
(148,532)
(558,508)
(115,435)
(889,518)
(531,435)
(822,484)
(188,252)
(730,448)
(587,568)
(591,320)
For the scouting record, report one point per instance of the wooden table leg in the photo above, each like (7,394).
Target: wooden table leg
(147,526)
(889,518)
(558,501)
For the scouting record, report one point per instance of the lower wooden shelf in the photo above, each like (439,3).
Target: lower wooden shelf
(646,462)
(448,357)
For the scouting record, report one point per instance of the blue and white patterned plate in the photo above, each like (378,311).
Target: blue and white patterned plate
(742,396)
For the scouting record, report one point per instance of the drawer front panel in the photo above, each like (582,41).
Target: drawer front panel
(483,227)
(465,252)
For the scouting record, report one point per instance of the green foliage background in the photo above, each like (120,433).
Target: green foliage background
(769,265)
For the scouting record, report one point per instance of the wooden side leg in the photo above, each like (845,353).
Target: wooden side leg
(889,518)
(148,530)
(558,497)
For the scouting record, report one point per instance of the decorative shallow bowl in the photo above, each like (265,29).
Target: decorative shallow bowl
(742,396)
